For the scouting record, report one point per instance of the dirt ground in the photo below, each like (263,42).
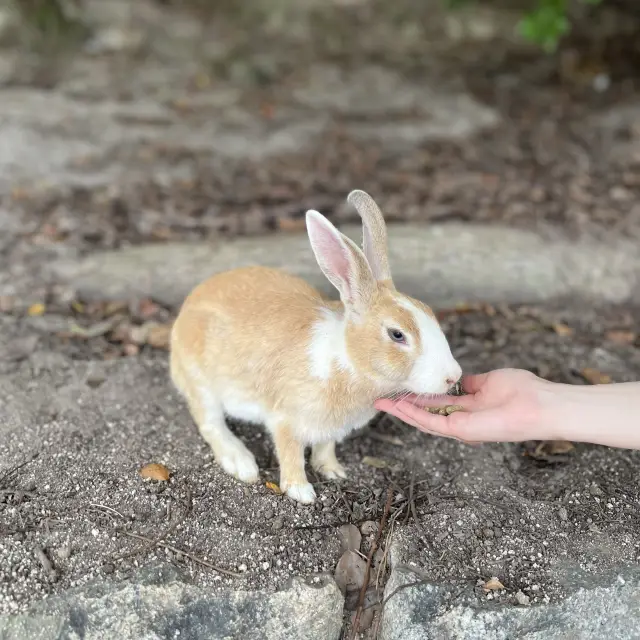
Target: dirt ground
(460,513)
(95,404)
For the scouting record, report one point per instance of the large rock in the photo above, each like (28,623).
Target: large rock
(423,612)
(159,604)
(390,109)
(441,264)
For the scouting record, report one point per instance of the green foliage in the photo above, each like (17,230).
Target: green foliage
(544,25)
(548,22)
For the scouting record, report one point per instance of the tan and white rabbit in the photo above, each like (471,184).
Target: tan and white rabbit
(263,346)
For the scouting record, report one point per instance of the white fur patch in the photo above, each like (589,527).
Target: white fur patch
(435,363)
(237,405)
(328,347)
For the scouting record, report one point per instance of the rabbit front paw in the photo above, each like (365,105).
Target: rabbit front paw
(239,462)
(324,461)
(303,493)
(331,470)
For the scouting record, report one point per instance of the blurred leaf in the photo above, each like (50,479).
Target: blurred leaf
(350,538)
(378,463)
(563,330)
(350,572)
(621,336)
(36,309)
(553,448)
(274,488)
(593,376)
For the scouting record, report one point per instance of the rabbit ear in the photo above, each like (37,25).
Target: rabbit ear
(374,234)
(341,261)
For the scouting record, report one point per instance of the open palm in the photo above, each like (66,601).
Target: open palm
(499,407)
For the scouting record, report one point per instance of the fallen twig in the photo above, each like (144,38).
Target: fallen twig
(195,559)
(157,541)
(106,508)
(12,470)
(367,573)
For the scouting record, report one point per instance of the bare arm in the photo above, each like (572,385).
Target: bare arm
(511,405)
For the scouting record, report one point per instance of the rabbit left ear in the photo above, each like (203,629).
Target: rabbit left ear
(374,235)
(341,261)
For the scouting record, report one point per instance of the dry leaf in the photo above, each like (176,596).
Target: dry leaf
(159,336)
(267,110)
(155,471)
(94,331)
(621,336)
(350,572)
(112,308)
(350,538)
(563,330)
(378,463)
(493,585)
(291,224)
(552,448)
(558,447)
(78,307)
(36,309)
(386,437)
(273,487)
(593,376)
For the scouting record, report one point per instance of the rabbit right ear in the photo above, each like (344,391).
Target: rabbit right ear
(341,261)
(374,234)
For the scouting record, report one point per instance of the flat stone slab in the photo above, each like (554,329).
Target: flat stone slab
(427,611)
(441,264)
(159,603)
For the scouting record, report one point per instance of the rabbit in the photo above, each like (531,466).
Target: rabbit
(263,346)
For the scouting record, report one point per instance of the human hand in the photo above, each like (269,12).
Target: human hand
(505,405)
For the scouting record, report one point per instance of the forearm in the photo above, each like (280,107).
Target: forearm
(607,414)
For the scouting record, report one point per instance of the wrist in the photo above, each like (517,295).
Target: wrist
(558,410)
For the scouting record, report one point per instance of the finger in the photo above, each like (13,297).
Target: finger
(472,383)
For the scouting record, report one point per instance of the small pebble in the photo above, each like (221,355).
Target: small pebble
(522,599)
(562,514)
(108,568)
(277,524)
(64,552)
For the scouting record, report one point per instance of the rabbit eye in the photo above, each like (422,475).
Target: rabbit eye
(397,336)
